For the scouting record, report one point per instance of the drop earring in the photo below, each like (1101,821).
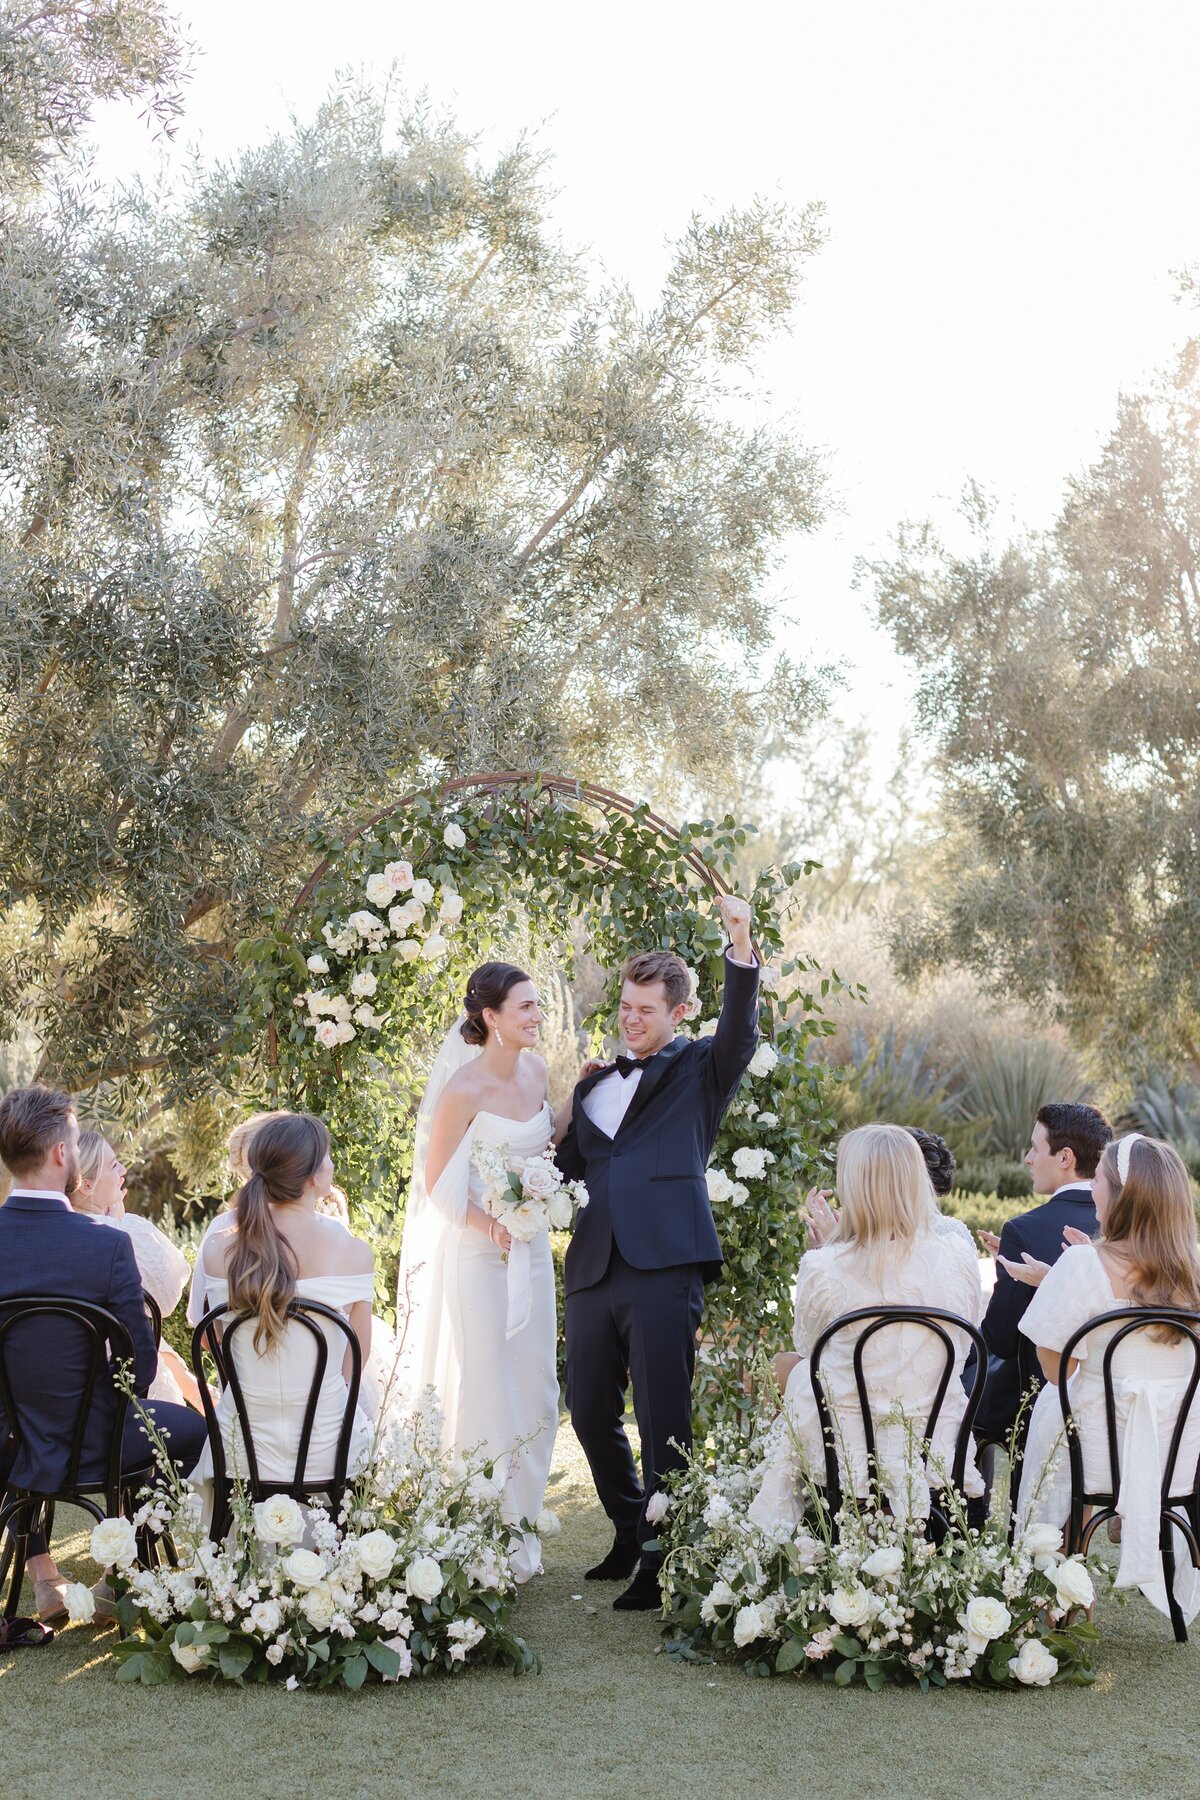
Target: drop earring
(499,1039)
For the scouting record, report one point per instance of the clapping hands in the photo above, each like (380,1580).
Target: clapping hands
(819,1217)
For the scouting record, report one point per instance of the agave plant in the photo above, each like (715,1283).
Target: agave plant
(1169,1112)
(896,1082)
(1008,1077)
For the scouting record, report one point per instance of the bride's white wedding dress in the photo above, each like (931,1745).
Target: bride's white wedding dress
(481,1330)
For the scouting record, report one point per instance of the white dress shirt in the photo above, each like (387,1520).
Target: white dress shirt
(40,1194)
(609,1100)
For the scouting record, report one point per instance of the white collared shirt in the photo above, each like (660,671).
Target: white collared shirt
(40,1194)
(1079,1182)
(610,1099)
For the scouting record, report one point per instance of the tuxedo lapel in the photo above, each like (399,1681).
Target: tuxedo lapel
(651,1079)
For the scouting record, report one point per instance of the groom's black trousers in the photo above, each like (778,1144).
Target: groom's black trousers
(638,1323)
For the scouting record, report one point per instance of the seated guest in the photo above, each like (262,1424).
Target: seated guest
(1068,1141)
(879,1249)
(280,1247)
(164,1270)
(48,1250)
(237,1144)
(939,1162)
(1147,1254)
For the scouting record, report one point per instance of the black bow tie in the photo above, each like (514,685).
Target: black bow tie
(625,1065)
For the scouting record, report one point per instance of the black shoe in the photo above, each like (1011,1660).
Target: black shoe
(642,1595)
(619,1564)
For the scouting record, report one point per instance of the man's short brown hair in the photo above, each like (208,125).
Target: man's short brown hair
(650,966)
(32,1121)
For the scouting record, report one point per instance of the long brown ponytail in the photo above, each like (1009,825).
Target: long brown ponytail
(283,1156)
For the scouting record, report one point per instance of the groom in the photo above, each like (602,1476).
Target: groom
(641,1133)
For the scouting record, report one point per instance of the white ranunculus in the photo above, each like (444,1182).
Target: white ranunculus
(317,964)
(1072,1583)
(190,1657)
(304,1568)
(422,891)
(750,1164)
(409,950)
(547,1524)
(400,1646)
(80,1603)
(764,1059)
(451,907)
(539,1180)
(454,837)
(748,1626)
(985,1619)
(657,1507)
(400,875)
(719,1595)
(364,985)
(851,1605)
(266,1618)
(719,1185)
(379,890)
(279,1520)
(1035,1666)
(739,1193)
(376,1554)
(884,1564)
(114,1543)
(423,1578)
(318,1606)
(435,946)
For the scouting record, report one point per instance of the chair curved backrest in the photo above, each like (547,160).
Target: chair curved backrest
(154,1314)
(106,1342)
(305,1314)
(873,1319)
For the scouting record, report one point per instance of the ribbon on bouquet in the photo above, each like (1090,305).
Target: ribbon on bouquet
(520,1286)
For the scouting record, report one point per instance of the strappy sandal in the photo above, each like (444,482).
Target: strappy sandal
(24,1634)
(48,1598)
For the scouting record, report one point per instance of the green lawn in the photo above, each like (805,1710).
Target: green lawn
(607,1717)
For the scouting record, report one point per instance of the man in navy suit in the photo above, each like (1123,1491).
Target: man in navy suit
(1065,1149)
(641,1134)
(47,1249)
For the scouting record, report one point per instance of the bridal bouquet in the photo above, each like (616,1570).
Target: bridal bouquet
(530,1199)
(878,1603)
(410,1576)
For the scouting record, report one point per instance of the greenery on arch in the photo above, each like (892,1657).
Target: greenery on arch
(345,999)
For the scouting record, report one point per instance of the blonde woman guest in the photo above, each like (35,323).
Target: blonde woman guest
(880,1248)
(277,1248)
(1147,1254)
(99,1190)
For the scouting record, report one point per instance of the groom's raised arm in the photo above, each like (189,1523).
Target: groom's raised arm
(734,1040)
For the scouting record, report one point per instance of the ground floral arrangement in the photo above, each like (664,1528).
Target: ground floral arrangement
(411,1577)
(878,1602)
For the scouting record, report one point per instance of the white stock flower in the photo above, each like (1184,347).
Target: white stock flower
(364,985)
(114,1543)
(483,1489)
(400,875)
(750,1164)
(304,1568)
(764,1059)
(718,1511)
(985,1620)
(1035,1666)
(884,1564)
(402,1650)
(720,1187)
(451,907)
(851,1605)
(265,1618)
(80,1603)
(190,1657)
(367,924)
(317,964)
(454,837)
(279,1520)
(376,1554)
(422,890)
(423,1578)
(748,1625)
(547,1524)
(379,890)
(435,946)
(657,1507)
(318,1605)
(1072,1583)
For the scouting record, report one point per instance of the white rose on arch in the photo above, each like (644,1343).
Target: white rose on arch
(764,1059)
(454,837)
(422,890)
(408,949)
(739,1193)
(452,906)
(368,1017)
(368,924)
(317,964)
(379,890)
(400,876)
(434,947)
(364,985)
(720,1187)
(327,1034)
(750,1164)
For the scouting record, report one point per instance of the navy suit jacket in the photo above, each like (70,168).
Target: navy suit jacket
(1041,1233)
(46,1249)
(647,1192)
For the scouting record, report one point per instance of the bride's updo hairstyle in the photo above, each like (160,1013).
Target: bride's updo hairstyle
(489,987)
(1152,1219)
(283,1156)
(883,1188)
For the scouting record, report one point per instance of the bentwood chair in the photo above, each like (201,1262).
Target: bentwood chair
(1179,1504)
(301,1486)
(872,1320)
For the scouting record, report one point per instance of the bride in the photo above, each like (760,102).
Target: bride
(481,1328)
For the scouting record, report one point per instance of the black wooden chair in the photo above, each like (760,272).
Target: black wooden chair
(300,1485)
(1031,1381)
(874,1319)
(21,1508)
(1180,1491)
(154,1314)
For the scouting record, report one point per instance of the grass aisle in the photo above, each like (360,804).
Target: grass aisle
(607,1717)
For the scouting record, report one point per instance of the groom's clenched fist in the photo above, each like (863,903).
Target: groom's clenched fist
(735,916)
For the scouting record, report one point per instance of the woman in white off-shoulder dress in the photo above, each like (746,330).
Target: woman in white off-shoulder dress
(279,1247)
(882,1248)
(476,1309)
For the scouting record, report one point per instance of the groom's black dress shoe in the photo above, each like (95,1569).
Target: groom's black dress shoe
(642,1595)
(619,1564)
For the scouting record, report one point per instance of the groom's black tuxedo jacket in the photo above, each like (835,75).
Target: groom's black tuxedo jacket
(646,1186)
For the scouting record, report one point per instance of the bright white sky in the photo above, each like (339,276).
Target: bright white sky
(1010,189)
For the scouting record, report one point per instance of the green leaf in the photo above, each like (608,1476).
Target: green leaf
(235,1659)
(845,1672)
(791,1655)
(354,1671)
(382,1659)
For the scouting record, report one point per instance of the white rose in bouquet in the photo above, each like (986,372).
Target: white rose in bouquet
(376,1554)
(454,837)
(379,890)
(190,1657)
(1035,1665)
(657,1507)
(400,876)
(318,1606)
(80,1603)
(451,907)
(367,924)
(539,1180)
(279,1520)
(808,1551)
(985,1620)
(422,890)
(851,1605)
(304,1568)
(435,946)
(1073,1584)
(265,1618)
(884,1564)
(748,1626)
(317,964)
(1041,1540)
(719,1185)
(114,1543)
(764,1059)
(750,1164)
(558,1210)
(423,1578)
(402,1650)
(547,1524)
(364,985)
(720,1595)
